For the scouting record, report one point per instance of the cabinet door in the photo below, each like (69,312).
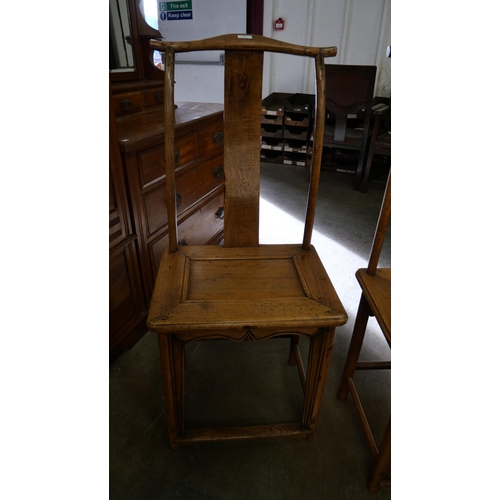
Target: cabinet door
(126,303)
(127,309)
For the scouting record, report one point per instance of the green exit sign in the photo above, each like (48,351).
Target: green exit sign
(169,6)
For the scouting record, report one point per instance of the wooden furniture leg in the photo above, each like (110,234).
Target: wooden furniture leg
(358,336)
(173,361)
(381,470)
(320,352)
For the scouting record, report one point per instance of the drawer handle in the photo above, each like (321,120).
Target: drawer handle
(159,97)
(220,213)
(177,158)
(178,199)
(218,136)
(182,243)
(219,173)
(125,104)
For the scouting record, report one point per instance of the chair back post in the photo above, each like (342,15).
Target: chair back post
(242,115)
(169,120)
(383,222)
(318,133)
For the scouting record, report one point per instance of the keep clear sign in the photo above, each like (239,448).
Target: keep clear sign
(176,11)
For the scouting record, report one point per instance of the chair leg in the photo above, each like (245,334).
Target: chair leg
(320,352)
(172,359)
(357,338)
(366,175)
(381,470)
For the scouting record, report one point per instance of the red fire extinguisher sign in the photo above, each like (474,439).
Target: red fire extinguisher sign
(279,24)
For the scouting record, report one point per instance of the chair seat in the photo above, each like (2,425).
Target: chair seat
(246,291)
(377,290)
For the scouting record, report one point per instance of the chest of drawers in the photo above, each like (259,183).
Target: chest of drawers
(199,150)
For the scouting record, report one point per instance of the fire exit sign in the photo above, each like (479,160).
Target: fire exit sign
(173,6)
(175,11)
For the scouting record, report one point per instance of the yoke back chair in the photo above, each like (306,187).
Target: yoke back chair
(375,301)
(243,290)
(349,91)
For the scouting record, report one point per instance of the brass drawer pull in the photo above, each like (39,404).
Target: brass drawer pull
(159,97)
(125,104)
(219,173)
(220,213)
(218,136)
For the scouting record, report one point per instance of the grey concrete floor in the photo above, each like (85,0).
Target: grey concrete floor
(245,383)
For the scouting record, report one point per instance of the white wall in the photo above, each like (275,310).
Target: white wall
(360,29)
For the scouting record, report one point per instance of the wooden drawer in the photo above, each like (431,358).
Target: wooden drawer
(130,102)
(152,164)
(153,97)
(210,139)
(271,120)
(192,185)
(297,133)
(198,229)
(271,130)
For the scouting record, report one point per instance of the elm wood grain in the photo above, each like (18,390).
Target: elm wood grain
(375,301)
(202,288)
(242,106)
(243,290)
(253,43)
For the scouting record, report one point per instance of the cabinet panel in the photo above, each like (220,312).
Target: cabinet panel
(130,102)
(210,139)
(155,208)
(126,304)
(192,184)
(153,97)
(116,223)
(201,227)
(152,164)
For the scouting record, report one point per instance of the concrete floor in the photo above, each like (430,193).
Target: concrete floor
(257,385)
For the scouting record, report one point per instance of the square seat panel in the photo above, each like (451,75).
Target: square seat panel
(221,288)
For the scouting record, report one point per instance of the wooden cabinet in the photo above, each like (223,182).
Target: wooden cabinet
(199,150)
(127,307)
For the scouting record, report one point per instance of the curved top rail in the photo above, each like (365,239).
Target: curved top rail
(243,42)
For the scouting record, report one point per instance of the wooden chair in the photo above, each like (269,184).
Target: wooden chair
(380,140)
(375,301)
(243,290)
(349,92)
